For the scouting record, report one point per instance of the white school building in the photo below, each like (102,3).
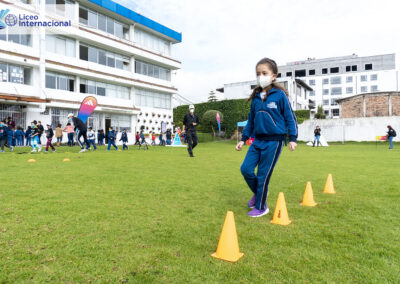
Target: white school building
(122,58)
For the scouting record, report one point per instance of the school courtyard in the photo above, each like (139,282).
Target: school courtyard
(155,216)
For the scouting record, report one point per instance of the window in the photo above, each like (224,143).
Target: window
(312,93)
(99,56)
(14,111)
(334,102)
(93,54)
(374,77)
(335,112)
(64,8)
(288,74)
(348,68)
(326,112)
(368,66)
(92,22)
(60,82)
(336,91)
(325,81)
(325,102)
(336,80)
(15,74)
(325,92)
(324,70)
(104,89)
(152,99)
(16,36)
(102,23)
(349,90)
(354,68)
(364,89)
(363,78)
(60,45)
(151,70)
(311,72)
(335,70)
(120,122)
(83,16)
(300,73)
(84,52)
(279,75)
(312,82)
(374,88)
(349,79)
(151,41)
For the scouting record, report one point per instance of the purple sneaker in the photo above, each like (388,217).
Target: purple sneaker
(258,213)
(252,202)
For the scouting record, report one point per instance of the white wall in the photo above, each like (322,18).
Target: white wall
(349,129)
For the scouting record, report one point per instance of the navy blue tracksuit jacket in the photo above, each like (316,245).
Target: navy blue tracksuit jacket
(269,121)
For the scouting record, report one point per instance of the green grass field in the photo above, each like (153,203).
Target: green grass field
(156,216)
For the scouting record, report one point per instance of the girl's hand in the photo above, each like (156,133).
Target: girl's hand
(292,146)
(239,146)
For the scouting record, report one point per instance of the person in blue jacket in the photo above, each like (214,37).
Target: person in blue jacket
(112,135)
(270,119)
(28,133)
(3,135)
(11,138)
(20,136)
(124,139)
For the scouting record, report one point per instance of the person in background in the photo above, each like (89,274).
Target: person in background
(3,135)
(317,136)
(70,134)
(153,139)
(169,136)
(80,129)
(19,134)
(124,139)
(11,123)
(112,135)
(91,136)
(137,138)
(28,138)
(35,137)
(59,135)
(143,139)
(390,135)
(190,121)
(100,137)
(41,131)
(11,138)
(161,140)
(49,135)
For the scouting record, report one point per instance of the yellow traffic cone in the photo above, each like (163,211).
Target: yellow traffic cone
(308,197)
(67,160)
(329,185)
(281,216)
(31,160)
(228,245)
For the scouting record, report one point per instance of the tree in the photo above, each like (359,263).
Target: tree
(212,97)
(320,113)
(210,119)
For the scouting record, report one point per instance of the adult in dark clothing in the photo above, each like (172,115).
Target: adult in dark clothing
(168,136)
(190,121)
(390,135)
(80,130)
(41,131)
(11,123)
(49,136)
(317,136)
(3,135)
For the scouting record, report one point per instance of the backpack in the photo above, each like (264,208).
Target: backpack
(394,133)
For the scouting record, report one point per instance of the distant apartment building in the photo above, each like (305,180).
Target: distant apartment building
(111,52)
(298,92)
(340,77)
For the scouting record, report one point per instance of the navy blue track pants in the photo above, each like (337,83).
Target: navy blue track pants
(266,159)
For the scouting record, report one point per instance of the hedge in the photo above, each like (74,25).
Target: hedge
(232,110)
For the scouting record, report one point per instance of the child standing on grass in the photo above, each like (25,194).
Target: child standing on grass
(270,119)
(35,137)
(28,138)
(112,135)
(153,139)
(49,136)
(11,138)
(91,136)
(3,135)
(124,139)
(59,134)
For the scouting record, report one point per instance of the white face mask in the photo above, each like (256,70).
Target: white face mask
(192,111)
(264,81)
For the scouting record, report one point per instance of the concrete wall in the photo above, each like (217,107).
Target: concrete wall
(349,129)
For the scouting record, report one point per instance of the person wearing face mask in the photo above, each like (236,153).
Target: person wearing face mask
(270,119)
(35,134)
(80,130)
(190,121)
(3,135)
(112,135)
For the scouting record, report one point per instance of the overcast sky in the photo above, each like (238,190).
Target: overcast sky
(224,39)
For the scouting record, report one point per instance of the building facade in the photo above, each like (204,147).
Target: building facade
(370,105)
(122,58)
(298,92)
(339,77)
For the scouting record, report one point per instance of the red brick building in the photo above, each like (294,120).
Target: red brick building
(370,105)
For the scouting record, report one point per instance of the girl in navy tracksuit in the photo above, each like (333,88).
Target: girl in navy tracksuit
(270,119)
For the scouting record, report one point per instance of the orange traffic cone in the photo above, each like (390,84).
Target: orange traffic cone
(329,185)
(281,216)
(308,197)
(31,160)
(228,245)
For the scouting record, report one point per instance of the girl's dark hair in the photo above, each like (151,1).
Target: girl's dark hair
(390,127)
(274,68)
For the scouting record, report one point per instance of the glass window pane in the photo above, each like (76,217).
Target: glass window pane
(60,46)
(110,60)
(62,83)
(119,30)
(83,16)
(110,25)
(118,63)
(92,54)
(3,72)
(50,81)
(83,52)
(102,57)
(91,87)
(92,19)
(14,38)
(102,22)
(70,48)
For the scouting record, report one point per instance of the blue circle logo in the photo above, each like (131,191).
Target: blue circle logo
(11,20)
